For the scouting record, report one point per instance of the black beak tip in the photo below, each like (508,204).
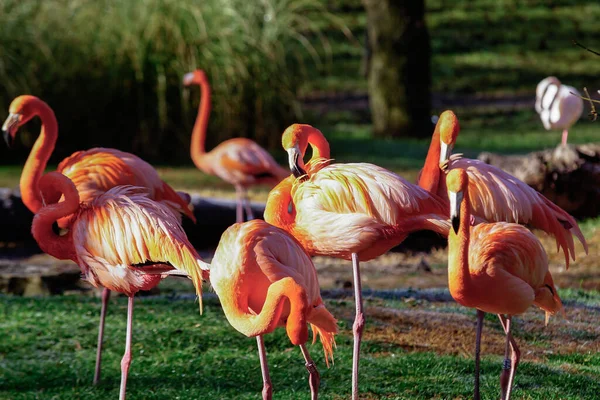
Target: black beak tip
(7,138)
(455,224)
(298,172)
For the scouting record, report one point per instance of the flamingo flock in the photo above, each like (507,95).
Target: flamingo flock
(122,225)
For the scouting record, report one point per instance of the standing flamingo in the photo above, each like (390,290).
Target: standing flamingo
(498,268)
(92,171)
(558,105)
(495,195)
(350,211)
(240,161)
(121,240)
(265,279)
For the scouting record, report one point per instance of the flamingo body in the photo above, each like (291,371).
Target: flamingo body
(495,194)
(354,208)
(265,279)
(558,105)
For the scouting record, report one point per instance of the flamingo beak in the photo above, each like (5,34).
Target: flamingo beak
(455,201)
(445,151)
(294,160)
(188,79)
(9,129)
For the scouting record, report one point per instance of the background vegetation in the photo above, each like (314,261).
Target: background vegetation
(112,70)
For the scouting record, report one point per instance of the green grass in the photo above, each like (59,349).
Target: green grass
(48,349)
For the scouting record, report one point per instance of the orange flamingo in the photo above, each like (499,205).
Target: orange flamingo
(350,211)
(265,279)
(240,161)
(92,171)
(498,268)
(122,240)
(496,195)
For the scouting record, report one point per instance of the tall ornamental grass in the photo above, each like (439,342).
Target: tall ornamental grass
(112,69)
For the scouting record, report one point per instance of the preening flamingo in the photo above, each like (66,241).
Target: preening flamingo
(498,268)
(495,195)
(240,161)
(558,105)
(350,211)
(121,240)
(265,279)
(92,171)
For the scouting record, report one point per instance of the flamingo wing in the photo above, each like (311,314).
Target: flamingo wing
(343,208)
(97,170)
(122,231)
(245,157)
(498,196)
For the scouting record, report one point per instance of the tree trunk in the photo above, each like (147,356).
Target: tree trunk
(398,67)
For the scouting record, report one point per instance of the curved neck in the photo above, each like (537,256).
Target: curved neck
(318,144)
(277,210)
(197,147)
(239,316)
(458,245)
(38,157)
(57,246)
(430,175)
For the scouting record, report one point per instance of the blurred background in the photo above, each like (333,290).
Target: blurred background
(112,71)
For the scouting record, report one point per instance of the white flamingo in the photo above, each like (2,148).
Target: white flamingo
(558,105)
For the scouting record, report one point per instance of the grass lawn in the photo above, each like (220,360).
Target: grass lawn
(414,349)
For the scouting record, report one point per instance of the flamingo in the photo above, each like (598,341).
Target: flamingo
(121,240)
(239,161)
(265,279)
(498,268)
(351,211)
(495,195)
(92,171)
(558,105)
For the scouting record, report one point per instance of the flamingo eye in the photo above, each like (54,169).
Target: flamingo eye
(290,207)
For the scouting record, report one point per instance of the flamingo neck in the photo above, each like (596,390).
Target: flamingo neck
(57,246)
(458,248)
(197,147)
(277,210)
(38,157)
(430,175)
(318,144)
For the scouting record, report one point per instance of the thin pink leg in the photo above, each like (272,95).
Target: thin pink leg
(267,392)
(248,208)
(515,356)
(359,323)
(480,315)
(105,297)
(126,360)
(564,137)
(314,379)
(239,212)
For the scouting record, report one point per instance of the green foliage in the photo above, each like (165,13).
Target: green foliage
(112,69)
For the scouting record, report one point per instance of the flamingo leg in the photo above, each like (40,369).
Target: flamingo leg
(480,315)
(126,360)
(239,212)
(267,392)
(248,208)
(314,378)
(515,356)
(359,323)
(565,134)
(105,297)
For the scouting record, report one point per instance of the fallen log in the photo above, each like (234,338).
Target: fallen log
(568,175)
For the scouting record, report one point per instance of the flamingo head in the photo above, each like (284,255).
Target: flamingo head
(456,182)
(295,141)
(21,110)
(197,77)
(448,128)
